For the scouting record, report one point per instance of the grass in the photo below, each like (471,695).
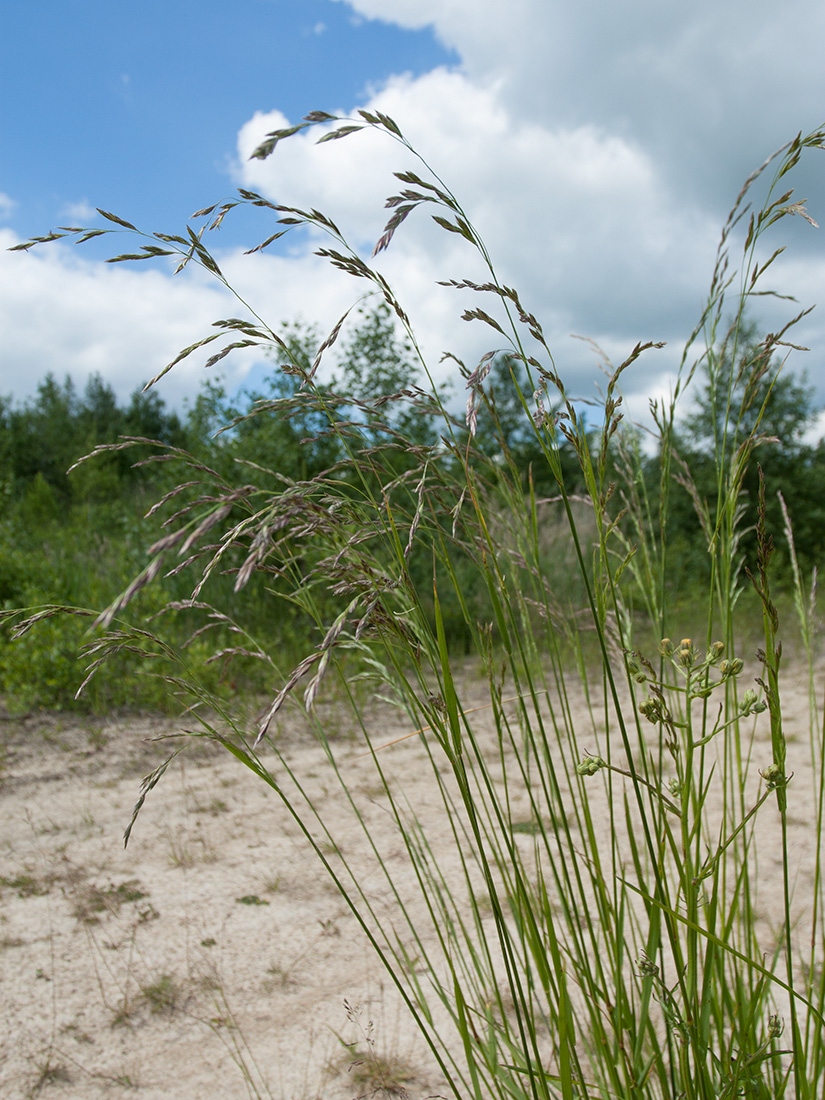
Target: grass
(186,850)
(163,995)
(91,902)
(281,972)
(375,1074)
(617,947)
(25,885)
(373,1071)
(48,1072)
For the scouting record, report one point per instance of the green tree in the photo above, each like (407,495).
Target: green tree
(748,414)
(744,393)
(378,369)
(505,429)
(48,433)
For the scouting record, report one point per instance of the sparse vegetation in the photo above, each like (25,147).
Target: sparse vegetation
(25,885)
(163,995)
(48,1072)
(373,1072)
(91,902)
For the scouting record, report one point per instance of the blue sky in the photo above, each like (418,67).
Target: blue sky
(598,148)
(134,105)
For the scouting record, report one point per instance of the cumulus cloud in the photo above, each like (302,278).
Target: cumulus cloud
(73,316)
(79,213)
(598,158)
(706,89)
(7,204)
(578,219)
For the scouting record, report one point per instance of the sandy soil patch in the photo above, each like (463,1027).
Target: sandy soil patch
(212,957)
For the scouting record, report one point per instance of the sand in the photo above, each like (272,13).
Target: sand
(213,957)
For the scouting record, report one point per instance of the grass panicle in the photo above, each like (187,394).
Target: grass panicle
(595,928)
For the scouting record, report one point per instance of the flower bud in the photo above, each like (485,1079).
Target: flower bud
(773,776)
(748,702)
(732,667)
(687,653)
(650,709)
(589,765)
(635,669)
(647,968)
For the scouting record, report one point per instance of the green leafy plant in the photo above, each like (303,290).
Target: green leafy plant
(616,947)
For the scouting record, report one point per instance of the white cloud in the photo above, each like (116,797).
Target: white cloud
(72,316)
(80,213)
(597,157)
(709,80)
(580,221)
(7,204)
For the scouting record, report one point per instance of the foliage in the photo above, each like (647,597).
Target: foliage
(617,949)
(748,411)
(752,399)
(79,538)
(47,434)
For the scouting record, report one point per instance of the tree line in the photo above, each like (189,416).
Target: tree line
(78,538)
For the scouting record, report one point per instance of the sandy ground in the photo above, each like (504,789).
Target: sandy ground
(213,957)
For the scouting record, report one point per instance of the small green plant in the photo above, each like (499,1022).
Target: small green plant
(91,902)
(185,850)
(163,995)
(48,1071)
(251,899)
(98,740)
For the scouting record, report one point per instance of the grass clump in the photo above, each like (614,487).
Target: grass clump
(93,902)
(163,995)
(594,926)
(373,1071)
(48,1071)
